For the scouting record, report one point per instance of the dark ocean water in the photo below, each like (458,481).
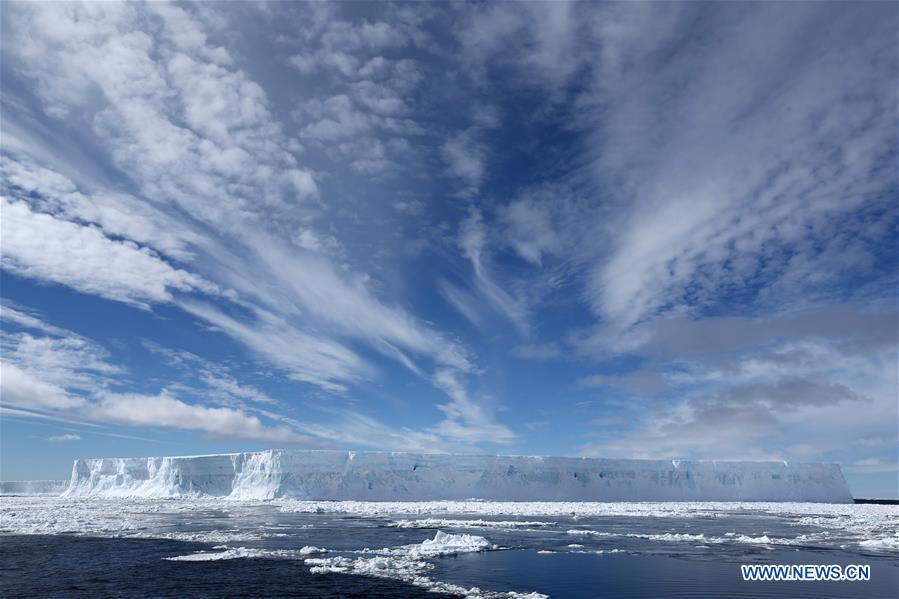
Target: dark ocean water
(70,566)
(582,576)
(73,566)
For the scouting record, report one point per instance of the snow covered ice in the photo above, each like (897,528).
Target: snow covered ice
(379,476)
(407,563)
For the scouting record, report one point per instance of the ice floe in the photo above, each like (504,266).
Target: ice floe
(447,523)
(889,543)
(212,556)
(408,563)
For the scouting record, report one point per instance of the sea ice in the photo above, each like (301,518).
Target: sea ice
(408,563)
(447,523)
(889,543)
(212,556)
(873,525)
(449,544)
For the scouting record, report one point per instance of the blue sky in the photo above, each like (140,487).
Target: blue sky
(621,230)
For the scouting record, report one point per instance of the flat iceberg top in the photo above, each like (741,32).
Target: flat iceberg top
(386,476)
(336,454)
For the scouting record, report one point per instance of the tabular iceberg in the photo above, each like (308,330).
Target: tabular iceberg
(383,476)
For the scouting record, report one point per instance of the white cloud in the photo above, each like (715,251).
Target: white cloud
(466,303)
(540,41)
(743,187)
(374,112)
(353,428)
(64,438)
(164,172)
(24,389)
(467,421)
(304,63)
(198,138)
(43,247)
(67,361)
(341,62)
(164,410)
(466,157)
(530,230)
(117,214)
(304,357)
(800,385)
(487,116)
(345,304)
(191,125)
(23,318)
(228,385)
(216,377)
(373,35)
(70,378)
(474,243)
(380,98)
(51,371)
(362,105)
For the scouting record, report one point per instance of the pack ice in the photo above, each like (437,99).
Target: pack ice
(381,476)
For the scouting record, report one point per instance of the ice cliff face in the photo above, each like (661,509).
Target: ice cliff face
(340,475)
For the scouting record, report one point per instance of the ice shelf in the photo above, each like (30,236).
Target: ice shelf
(380,476)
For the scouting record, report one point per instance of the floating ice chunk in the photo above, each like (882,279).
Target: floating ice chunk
(676,537)
(587,533)
(890,543)
(323,565)
(762,540)
(673,537)
(448,544)
(214,556)
(445,523)
(246,552)
(596,551)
